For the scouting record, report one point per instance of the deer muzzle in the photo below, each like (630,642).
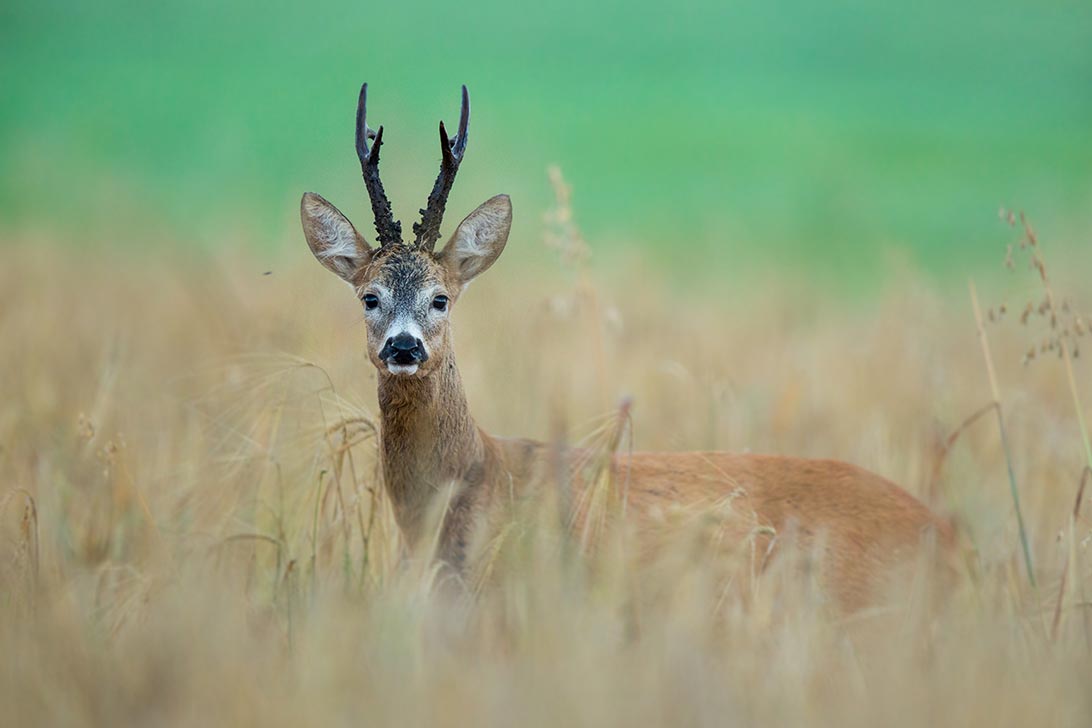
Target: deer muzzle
(403,350)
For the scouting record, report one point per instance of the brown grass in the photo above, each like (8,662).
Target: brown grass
(192,530)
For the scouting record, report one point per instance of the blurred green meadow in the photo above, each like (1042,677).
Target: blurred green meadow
(832,134)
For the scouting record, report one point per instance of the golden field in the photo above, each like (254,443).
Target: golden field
(194,533)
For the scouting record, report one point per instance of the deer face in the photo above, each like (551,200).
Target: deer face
(407,292)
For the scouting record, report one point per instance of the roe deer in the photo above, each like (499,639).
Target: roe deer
(864,524)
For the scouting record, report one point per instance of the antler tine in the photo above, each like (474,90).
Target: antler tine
(452,150)
(387,228)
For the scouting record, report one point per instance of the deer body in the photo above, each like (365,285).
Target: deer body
(431,448)
(430,443)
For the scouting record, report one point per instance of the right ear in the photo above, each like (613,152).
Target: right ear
(479,240)
(332,238)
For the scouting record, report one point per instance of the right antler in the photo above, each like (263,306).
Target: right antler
(388,229)
(452,150)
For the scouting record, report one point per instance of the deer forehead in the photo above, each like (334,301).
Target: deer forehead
(405,275)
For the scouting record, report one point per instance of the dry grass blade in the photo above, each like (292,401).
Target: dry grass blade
(1070,555)
(29,544)
(949,443)
(995,391)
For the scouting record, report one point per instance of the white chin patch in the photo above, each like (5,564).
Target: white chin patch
(407,369)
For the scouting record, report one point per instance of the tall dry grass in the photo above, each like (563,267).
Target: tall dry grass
(193,530)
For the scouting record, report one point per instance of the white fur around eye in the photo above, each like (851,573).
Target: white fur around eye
(427,298)
(379,292)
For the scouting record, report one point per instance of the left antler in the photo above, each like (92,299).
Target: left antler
(428,230)
(388,229)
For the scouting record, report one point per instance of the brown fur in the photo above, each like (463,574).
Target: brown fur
(861,526)
(865,525)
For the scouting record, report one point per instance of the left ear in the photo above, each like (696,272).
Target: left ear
(479,239)
(332,238)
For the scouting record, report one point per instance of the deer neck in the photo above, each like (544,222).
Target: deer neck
(428,442)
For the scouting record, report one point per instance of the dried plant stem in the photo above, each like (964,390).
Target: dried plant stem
(995,392)
(1067,355)
(946,448)
(602,498)
(1071,553)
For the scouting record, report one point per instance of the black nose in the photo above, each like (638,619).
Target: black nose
(403,349)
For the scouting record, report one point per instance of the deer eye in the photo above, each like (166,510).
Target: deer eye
(440,303)
(371,301)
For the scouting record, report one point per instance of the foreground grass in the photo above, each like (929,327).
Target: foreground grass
(194,531)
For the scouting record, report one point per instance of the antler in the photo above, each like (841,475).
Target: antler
(388,229)
(428,230)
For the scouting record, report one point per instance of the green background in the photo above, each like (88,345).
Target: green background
(827,133)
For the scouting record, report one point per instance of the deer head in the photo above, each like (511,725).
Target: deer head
(407,290)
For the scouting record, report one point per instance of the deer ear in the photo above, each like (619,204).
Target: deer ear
(479,239)
(332,238)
